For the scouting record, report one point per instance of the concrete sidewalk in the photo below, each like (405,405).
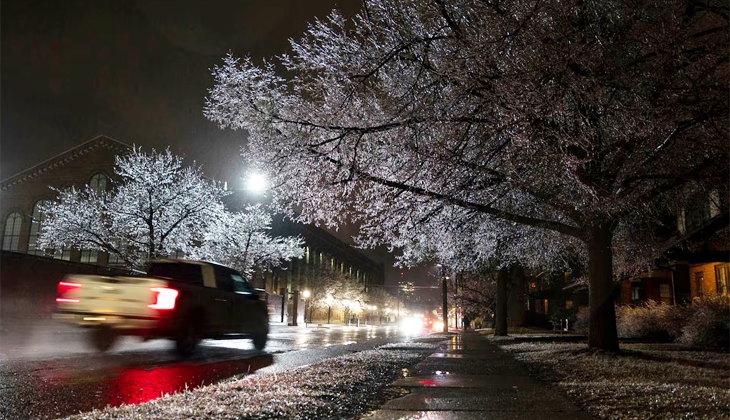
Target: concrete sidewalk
(470,378)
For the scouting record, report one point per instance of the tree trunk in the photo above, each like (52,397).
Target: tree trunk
(500,322)
(516,297)
(602,326)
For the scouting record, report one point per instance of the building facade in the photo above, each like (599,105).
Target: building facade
(22,195)
(92,163)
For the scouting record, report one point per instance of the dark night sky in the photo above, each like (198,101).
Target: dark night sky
(137,71)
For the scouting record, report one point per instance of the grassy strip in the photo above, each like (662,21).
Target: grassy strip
(345,387)
(644,381)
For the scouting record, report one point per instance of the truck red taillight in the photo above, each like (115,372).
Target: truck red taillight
(66,288)
(163,298)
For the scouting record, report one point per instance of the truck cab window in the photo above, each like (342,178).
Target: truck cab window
(240,285)
(185,273)
(223,280)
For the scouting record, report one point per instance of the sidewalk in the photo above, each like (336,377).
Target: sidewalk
(470,378)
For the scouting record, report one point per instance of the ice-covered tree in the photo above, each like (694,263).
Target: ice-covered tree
(337,290)
(242,241)
(158,207)
(380,297)
(522,119)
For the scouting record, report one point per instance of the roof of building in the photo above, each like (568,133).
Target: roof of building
(100,141)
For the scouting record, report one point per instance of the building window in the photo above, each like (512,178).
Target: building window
(114,258)
(722,272)
(568,304)
(699,279)
(35,227)
(63,254)
(98,183)
(177,255)
(635,294)
(89,256)
(11,235)
(665,293)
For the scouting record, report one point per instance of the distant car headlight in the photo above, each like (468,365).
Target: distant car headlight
(411,324)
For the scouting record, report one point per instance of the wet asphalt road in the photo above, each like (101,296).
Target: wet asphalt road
(49,373)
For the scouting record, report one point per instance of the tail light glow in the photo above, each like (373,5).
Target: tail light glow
(163,298)
(64,288)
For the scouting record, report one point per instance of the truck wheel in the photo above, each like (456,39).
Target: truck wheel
(260,338)
(103,337)
(188,337)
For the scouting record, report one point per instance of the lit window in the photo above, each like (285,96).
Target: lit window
(35,227)
(11,235)
(89,256)
(98,183)
(568,304)
(699,279)
(722,272)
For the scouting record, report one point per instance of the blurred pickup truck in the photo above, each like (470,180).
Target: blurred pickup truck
(185,301)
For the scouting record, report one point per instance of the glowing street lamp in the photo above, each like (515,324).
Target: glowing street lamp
(256,182)
(306,295)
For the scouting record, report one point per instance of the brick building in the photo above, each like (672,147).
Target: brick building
(22,194)
(699,265)
(91,163)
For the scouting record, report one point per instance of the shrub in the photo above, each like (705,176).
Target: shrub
(707,325)
(582,321)
(650,320)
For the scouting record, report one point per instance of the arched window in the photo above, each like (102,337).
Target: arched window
(98,183)
(35,227)
(11,235)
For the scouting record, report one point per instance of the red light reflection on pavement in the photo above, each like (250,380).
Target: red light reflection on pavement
(135,385)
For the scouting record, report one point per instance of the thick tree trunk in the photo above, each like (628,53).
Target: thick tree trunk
(500,322)
(602,326)
(516,297)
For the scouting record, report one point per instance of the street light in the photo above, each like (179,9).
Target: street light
(306,295)
(256,182)
(346,304)
(329,301)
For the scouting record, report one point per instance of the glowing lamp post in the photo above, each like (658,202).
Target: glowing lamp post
(346,304)
(329,301)
(305,295)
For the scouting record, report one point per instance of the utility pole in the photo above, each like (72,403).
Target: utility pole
(444,300)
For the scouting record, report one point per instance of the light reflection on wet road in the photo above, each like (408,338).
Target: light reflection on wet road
(64,377)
